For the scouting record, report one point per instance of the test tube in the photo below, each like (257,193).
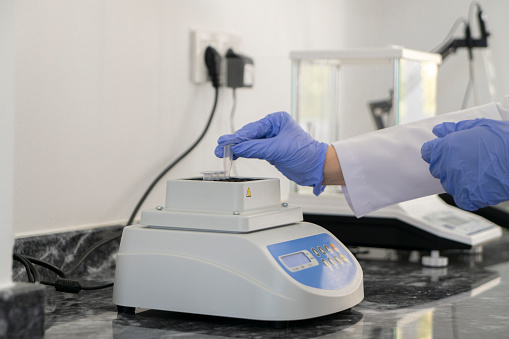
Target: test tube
(213,175)
(227,160)
(208,175)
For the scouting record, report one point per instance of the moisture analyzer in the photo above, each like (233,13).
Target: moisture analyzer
(230,248)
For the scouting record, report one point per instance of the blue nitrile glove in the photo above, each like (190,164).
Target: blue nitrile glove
(471,159)
(278,139)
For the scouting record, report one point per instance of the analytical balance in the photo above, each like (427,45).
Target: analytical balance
(231,248)
(344,93)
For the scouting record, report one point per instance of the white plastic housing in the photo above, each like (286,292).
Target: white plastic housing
(222,196)
(221,274)
(242,206)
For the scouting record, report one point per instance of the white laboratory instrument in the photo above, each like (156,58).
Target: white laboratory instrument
(424,224)
(230,248)
(336,95)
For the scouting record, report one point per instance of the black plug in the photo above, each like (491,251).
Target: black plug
(239,70)
(213,63)
(67,285)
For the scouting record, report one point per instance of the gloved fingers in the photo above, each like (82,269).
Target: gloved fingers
(229,139)
(254,130)
(427,149)
(471,164)
(267,127)
(219,152)
(468,124)
(441,130)
(445,128)
(253,149)
(432,157)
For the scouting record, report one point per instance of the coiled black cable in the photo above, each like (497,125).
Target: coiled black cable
(213,63)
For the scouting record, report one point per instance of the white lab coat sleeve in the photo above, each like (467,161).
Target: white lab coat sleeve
(385,167)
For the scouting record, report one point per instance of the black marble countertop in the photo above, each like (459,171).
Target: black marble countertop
(468,299)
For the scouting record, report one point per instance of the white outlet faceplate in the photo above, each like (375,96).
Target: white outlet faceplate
(199,42)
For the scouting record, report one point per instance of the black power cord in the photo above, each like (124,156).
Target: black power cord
(29,267)
(61,284)
(73,286)
(47,265)
(176,161)
(213,63)
(91,249)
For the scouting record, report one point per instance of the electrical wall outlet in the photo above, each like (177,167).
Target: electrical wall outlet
(200,40)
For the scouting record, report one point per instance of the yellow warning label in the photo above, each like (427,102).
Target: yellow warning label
(248,193)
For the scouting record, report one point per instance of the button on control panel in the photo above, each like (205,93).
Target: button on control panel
(315,252)
(336,258)
(319,261)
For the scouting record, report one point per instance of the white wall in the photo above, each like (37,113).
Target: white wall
(6,138)
(104,101)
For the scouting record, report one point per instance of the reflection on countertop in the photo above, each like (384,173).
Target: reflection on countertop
(468,299)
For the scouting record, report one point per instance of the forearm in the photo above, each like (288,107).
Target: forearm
(332,174)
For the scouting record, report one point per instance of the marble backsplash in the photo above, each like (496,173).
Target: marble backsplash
(65,248)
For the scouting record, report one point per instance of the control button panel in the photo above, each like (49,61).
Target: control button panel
(319,261)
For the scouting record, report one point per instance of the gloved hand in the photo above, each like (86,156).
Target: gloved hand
(278,139)
(471,159)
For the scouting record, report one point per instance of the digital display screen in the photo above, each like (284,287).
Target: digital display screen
(295,259)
